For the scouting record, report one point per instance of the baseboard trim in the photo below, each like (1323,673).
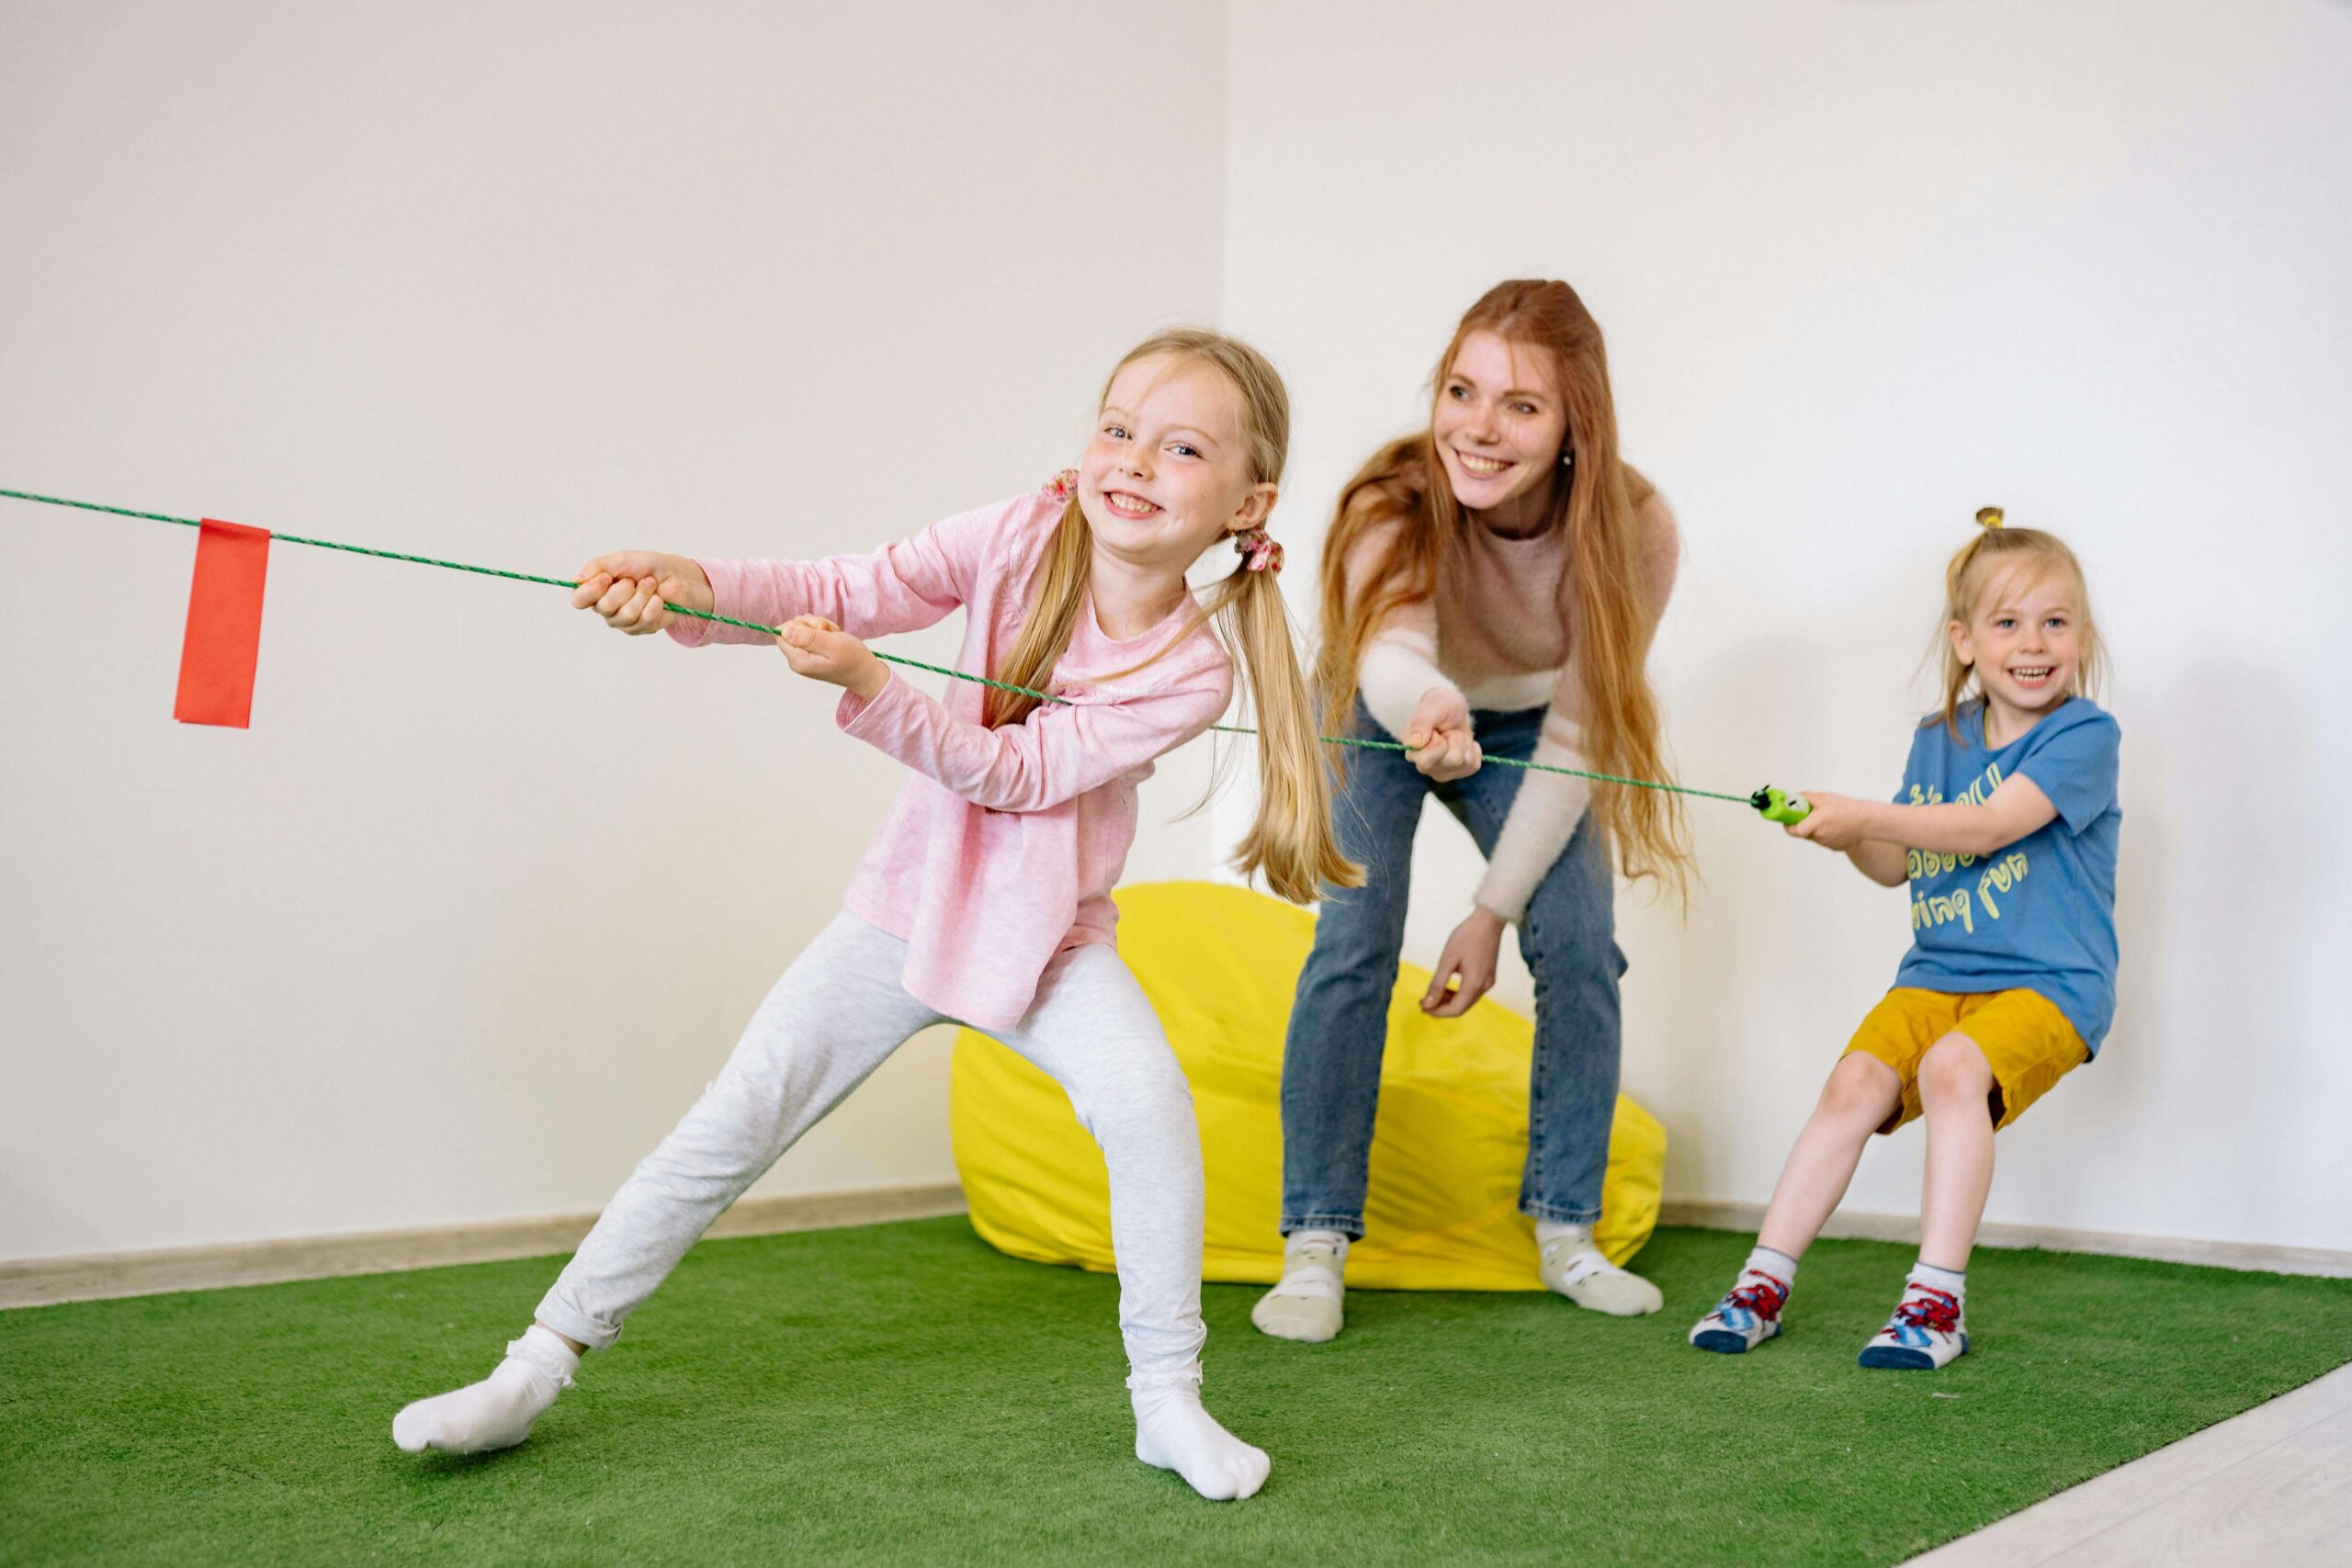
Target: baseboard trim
(40,1281)
(2254,1256)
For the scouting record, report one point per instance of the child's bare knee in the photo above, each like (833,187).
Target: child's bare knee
(1860,1088)
(1954,1069)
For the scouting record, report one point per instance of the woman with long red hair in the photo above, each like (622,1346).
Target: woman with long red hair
(1490,586)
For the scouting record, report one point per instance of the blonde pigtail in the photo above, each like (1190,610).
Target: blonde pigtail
(1046,631)
(1291,843)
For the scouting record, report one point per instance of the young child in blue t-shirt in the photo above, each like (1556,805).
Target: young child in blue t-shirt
(2004,829)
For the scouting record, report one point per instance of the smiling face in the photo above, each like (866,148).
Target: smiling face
(1500,428)
(1168,471)
(2023,640)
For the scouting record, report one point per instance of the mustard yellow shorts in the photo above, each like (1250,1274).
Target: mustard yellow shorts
(2028,1042)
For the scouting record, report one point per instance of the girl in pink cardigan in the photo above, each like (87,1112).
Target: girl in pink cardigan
(985,898)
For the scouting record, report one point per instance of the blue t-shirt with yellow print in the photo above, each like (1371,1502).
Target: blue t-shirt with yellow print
(2039,914)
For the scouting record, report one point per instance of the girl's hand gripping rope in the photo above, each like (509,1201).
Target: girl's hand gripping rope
(818,648)
(634,590)
(1835,822)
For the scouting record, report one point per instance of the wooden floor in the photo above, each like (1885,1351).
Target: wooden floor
(2272,1488)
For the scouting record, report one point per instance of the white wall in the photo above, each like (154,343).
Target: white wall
(1865,267)
(477,906)
(469,916)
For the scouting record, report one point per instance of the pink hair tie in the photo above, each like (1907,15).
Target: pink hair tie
(1062,486)
(1259,550)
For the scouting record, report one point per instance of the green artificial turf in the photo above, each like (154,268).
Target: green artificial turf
(903,1393)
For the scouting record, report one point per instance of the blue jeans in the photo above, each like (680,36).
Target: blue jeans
(1339,1022)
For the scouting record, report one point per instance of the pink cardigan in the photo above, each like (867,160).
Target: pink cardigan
(1005,843)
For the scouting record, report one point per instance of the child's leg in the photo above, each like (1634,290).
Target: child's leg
(1955,1088)
(833,1018)
(1861,1093)
(1092,1030)
(1928,1329)
(2011,1047)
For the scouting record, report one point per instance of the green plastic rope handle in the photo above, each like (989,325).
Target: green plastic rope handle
(1781,805)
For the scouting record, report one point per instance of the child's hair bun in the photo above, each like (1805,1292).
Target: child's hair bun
(1988,517)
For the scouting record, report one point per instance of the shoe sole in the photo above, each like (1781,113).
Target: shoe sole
(1724,1342)
(1901,1359)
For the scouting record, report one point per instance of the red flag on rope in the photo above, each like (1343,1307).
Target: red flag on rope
(223,640)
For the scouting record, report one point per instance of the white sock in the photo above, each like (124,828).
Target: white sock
(1173,1432)
(1777,1265)
(1945,1279)
(497,1412)
(1305,1303)
(1576,1269)
(1323,1252)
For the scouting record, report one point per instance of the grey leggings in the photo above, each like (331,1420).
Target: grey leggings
(827,1024)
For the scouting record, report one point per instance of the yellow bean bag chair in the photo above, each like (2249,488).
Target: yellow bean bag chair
(1219,962)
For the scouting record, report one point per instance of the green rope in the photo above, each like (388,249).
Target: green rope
(891,658)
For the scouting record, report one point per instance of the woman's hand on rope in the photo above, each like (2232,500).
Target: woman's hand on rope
(1469,957)
(1439,740)
(633,589)
(818,648)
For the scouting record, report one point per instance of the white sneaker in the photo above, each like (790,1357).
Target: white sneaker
(1746,1318)
(1924,1333)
